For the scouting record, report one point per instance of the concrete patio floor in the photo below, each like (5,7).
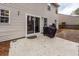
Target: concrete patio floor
(43,46)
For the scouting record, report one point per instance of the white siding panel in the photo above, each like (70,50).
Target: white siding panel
(16,27)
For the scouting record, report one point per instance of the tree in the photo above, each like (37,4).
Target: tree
(76,11)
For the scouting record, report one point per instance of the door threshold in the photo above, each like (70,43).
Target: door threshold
(32,37)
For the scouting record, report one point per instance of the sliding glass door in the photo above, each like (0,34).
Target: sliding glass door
(33,24)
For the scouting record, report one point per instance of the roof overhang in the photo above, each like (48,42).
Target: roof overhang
(55,4)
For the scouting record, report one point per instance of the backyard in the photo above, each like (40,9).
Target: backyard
(69,34)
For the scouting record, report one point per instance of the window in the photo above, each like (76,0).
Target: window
(45,22)
(4,16)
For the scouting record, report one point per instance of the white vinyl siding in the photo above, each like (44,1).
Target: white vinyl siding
(17,26)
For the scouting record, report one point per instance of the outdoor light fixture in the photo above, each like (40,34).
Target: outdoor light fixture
(49,6)
(18,13)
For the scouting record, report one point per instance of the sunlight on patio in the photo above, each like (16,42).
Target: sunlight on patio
(44,46)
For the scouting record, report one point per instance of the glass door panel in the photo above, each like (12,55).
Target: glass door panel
(37,24)
(30,24)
